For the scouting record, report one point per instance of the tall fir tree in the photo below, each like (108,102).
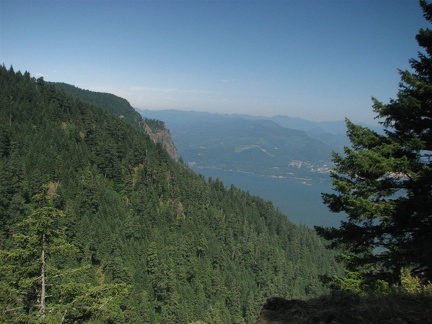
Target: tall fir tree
(384,181)
(36,284)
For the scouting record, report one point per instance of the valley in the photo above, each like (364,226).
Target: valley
(289,167)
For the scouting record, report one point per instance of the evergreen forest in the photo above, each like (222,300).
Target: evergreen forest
(98,224)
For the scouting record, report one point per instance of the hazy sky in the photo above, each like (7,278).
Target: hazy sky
(320,60)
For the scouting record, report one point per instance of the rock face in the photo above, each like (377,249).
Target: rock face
(160,134)
(348,308)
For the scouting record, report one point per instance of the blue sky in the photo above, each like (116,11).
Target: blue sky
(315,59)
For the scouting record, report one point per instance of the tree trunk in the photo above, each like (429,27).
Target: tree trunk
(42,295)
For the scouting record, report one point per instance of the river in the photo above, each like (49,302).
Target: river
(300,200)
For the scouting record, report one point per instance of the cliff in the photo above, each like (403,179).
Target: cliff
(160,134)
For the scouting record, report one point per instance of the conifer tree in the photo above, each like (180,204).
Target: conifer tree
(37,285)
(25,265)
(383,182)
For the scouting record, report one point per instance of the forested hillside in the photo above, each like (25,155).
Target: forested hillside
(121,107)
(99,224)
(109,102)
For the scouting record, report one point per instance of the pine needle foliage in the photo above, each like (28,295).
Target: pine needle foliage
(383,182)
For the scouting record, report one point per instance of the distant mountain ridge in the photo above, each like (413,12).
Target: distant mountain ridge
(336,127)
(244,143)
(332,133)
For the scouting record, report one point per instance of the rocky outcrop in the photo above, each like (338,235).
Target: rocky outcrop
(348,308)
(160,134)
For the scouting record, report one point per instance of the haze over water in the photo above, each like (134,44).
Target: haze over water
(300,201)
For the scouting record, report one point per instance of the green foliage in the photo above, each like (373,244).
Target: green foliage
(409,283)
(155,125)
(107,101)
(153,242)
(384,183)
(38,287)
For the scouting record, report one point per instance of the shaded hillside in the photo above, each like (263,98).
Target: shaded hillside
(345,308)
(187,249)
